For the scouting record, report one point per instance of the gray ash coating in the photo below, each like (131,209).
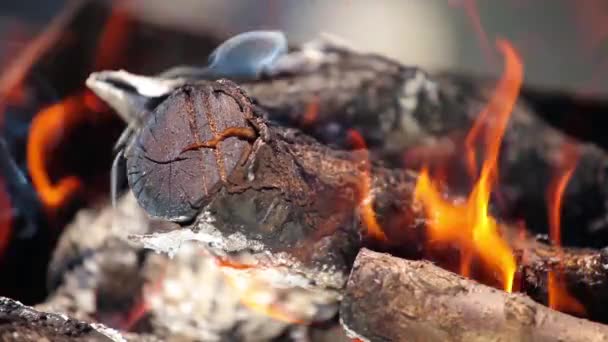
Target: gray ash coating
(169,183)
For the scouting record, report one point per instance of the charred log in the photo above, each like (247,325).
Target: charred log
(413,119)
(410,118)
(288,196)
(392,299)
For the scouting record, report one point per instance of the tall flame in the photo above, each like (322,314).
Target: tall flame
(468,224)
(559,297)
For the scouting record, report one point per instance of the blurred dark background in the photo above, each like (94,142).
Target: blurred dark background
(563,42)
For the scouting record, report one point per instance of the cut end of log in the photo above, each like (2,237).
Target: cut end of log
(187,149)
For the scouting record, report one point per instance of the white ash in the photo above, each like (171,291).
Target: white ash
(239,248)
(170,242)
(194,301)
(351,333)
(186,296)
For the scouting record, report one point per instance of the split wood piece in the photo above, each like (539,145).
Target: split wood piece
(393,299)
(287,195)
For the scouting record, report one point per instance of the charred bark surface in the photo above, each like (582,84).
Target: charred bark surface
(410,118)
(392,299)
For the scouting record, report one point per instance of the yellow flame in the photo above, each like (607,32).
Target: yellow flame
(469,224)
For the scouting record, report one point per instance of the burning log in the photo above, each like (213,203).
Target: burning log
(405,116)
(392,299)
(298,205)
(411,119)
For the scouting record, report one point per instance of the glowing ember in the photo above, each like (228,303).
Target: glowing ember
(468,224)
(255,294)
(142,305)
(312,113)
(225,262)
(559,297)
(252,291)
(366,204)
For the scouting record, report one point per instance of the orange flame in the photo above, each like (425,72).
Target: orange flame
(46,130)
(49,125)
(472,139)
(559,297)
(311,113)
(366,204)
(468,224)
(113,39)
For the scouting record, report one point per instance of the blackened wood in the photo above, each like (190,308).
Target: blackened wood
(328,90)
(392,299)
(410,118)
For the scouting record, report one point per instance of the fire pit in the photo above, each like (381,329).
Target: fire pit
(307,192)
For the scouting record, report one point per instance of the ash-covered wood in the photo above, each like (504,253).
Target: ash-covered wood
(22,323)
(392,299)
(96,275)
